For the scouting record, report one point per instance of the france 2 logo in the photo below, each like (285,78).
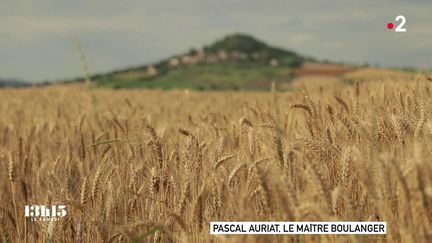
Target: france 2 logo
(400,27)
(44,212)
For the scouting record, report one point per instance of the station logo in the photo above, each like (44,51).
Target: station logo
(401,20)
(45,212)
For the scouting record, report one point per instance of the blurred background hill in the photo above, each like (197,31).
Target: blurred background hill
(237,62)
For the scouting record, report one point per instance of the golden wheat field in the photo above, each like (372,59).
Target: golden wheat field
(158,166)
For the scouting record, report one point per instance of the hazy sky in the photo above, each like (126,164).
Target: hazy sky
(36,36)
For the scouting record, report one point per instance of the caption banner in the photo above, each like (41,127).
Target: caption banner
(367,228)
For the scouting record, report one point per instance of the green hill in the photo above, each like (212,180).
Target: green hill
(236,62)
(249,45)
(12,83)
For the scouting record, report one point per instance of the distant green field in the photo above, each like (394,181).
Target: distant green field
(220,76)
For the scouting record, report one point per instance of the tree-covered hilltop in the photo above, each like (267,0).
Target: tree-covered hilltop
(249,45)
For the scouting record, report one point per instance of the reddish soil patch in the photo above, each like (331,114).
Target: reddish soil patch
(322,69)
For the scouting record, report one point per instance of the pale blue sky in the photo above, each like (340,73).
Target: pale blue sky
(36,36)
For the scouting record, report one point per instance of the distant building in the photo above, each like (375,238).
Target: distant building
(222,55)
(257,56)
(274,62)
(152,71)
(236,55)
(194,60)
(201,55)
(212,58)
(174,62)
(186,59)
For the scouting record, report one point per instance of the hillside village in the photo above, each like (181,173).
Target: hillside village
(203,57)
